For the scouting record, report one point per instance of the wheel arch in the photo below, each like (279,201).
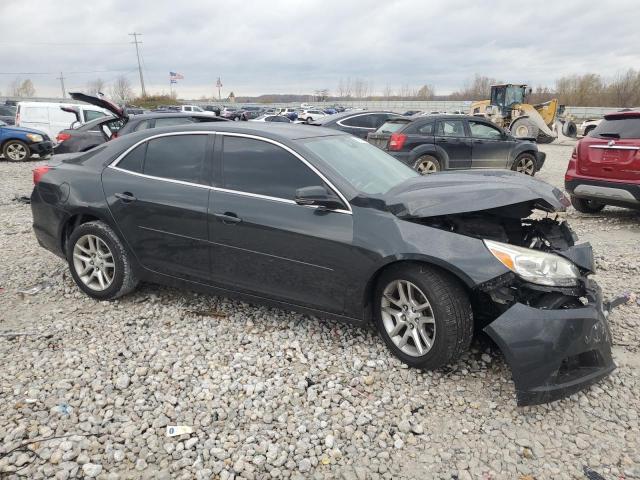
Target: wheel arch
(444,267)
(430,149)
(76,219)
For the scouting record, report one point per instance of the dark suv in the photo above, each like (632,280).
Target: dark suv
(604,168)
(356,122)
(449,142)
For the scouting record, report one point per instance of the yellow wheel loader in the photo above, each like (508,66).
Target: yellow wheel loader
(508,109)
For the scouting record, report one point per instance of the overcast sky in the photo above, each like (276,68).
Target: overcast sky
(298,46)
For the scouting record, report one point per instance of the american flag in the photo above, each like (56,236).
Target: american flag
(175,76)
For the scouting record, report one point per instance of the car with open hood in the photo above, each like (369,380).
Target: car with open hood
(322,222)
(82,137)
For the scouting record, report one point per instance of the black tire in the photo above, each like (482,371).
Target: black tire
(124,278)
(450,307)
(16,146)
(524,128)
(427,164)
(525,163)
(309,120)
(569,129)
(584,205)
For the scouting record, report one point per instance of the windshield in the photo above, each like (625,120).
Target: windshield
(365,167)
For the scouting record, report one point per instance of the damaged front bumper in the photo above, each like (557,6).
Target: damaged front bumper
(555,353)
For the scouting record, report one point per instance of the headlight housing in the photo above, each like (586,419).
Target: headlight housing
(34,137)
(534,266)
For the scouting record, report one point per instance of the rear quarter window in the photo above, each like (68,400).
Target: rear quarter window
(617,128)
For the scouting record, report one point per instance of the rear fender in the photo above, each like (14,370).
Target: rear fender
(430,149)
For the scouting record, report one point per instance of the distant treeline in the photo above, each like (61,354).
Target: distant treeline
(587,90)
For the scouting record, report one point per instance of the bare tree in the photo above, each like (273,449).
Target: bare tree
(22,88)
(387,92)
(95,86)
(425,92)
(341,88)
(121,90)
(358,88)
(624,90)
(347,88)
(14,88)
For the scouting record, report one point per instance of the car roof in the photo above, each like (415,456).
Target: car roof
(164,114)
(351,113)
(623,115)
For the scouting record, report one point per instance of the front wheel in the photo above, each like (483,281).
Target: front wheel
(16,151)
(525,163)
(309,120)
(586,206)
(427,164)
(423,315)
(99,263)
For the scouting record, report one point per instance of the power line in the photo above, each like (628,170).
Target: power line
(135,40)
(68,73)
(62,44)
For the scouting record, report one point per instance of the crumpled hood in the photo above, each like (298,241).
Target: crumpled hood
(449,193)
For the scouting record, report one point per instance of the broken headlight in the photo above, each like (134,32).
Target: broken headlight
(535,266)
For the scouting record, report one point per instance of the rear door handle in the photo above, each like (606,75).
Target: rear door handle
(126,197)
(228,217)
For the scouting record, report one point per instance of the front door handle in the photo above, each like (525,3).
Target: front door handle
(228,217)
(126,197)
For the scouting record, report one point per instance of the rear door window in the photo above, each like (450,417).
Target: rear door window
(622,128)
(359,121)
(450,128)
(133,161)
(176,157)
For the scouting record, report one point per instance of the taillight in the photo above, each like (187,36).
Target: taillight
(396,142)
(571,167)
(39,172)
(114,135)
(61,137)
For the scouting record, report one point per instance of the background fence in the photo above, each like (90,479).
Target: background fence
(399,106)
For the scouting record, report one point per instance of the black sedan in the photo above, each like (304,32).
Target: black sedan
(324,223)
(452,142)
(358,123)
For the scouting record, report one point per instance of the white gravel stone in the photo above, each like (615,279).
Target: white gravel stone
(91,470)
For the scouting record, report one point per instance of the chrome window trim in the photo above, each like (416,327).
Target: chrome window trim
(615,147)
(299,157)
(114,165)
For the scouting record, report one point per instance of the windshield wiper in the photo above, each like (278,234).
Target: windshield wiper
(610,135)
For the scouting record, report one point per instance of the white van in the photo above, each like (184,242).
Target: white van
(50,118)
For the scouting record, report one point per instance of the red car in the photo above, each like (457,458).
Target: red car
(605,165)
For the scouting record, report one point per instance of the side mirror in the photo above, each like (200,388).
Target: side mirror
(318,196)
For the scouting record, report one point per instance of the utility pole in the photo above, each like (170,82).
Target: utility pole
(61,78)
(135,40)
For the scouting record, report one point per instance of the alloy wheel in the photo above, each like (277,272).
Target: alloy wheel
(93,262)
(522,131)
(408,318)
(526,166)
(16,152)
(426,167)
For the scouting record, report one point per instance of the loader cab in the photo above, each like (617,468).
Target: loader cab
(506,96)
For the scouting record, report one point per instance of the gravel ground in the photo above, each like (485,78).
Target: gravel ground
(275,394)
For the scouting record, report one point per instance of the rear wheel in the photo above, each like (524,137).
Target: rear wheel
(16,151)
(524,128)
(423,315)
(586,206)
(309,120)
(525,163)
(427,164)
(99,263)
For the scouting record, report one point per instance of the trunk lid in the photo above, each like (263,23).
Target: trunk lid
(612,150)
(100,102)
